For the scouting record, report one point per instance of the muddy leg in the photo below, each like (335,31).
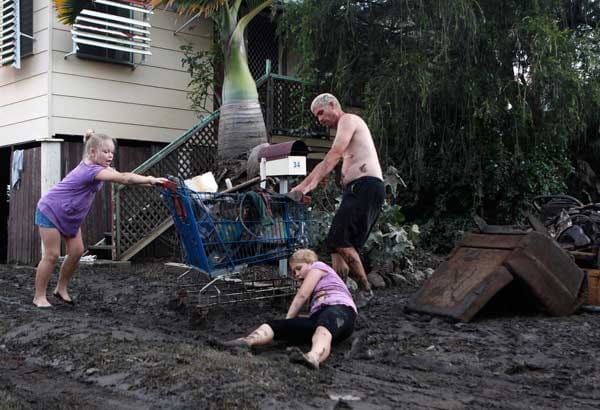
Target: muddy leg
(357,271)
(339,265)
(51,250)
(74,252)
(261,336)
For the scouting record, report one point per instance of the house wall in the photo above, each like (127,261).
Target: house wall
(148,103)
(51,95)
(5,154)
(24,92)
(23,245)
(23,237)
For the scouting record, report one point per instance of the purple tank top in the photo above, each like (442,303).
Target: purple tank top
(69,201)
(330,290)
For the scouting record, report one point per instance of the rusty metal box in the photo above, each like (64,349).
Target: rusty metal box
(593,277)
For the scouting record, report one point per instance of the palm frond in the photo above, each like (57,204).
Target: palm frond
(69,9)
(252,4)
(205,7)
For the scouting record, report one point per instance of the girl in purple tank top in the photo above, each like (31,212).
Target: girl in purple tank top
(332,313)
(61,211)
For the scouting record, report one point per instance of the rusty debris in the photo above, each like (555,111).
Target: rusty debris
(554,260)
(483,264)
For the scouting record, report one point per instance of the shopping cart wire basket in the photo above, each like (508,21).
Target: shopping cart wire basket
(222,232)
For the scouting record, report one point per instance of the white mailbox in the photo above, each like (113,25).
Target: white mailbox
(285,159)
(293,165)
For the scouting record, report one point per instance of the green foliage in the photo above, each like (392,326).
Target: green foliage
(480,105)
(389,240)
(442,234)
(325,202)
(202,67)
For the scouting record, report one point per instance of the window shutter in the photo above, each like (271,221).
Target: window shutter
(113,31)
(26,20)
(16,31)
(8,32)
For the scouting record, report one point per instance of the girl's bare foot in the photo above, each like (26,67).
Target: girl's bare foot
(67,299)
(63,296)
(41,302)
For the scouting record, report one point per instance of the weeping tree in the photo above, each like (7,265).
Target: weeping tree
(480,103)
(241,124)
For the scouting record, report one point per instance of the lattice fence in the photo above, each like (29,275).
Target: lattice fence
(139,212)
(262,45)
(286,107)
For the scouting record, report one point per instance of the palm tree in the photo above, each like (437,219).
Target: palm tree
(241,124)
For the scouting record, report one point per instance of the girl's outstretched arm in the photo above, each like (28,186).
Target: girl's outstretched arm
(128,178)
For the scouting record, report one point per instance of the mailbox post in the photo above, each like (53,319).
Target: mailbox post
(284,161)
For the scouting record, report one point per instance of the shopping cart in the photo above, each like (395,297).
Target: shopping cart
(222,234)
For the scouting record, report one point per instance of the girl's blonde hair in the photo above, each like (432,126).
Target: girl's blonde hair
(93,140)
(304,256)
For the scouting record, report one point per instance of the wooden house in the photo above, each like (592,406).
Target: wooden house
(117,71)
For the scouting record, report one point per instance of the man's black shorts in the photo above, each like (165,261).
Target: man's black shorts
(361,204)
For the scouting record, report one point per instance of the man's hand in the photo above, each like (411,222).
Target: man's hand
(295,195)
(298,188)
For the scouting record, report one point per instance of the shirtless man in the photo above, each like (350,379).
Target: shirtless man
(364,191)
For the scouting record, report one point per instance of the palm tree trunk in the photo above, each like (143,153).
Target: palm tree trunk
(241,123)
(241,127)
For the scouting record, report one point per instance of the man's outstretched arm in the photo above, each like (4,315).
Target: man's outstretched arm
(346,128)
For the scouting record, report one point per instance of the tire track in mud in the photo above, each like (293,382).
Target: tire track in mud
(27,386)
(508,362)
(122,342)
(428,384)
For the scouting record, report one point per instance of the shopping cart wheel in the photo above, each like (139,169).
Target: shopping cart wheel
(199,316)
(178,303)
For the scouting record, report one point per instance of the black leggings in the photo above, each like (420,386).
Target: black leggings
(338,319)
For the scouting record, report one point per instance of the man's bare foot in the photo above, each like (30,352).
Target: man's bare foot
(363,297)
(41,302)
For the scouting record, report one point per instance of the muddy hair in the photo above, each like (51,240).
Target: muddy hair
(304,256)
(324,99)
(93,140)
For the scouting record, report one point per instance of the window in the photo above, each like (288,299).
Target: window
(112,31)
(16,30)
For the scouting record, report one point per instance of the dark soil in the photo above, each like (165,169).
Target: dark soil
(126,345)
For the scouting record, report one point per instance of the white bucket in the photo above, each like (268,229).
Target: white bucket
(203,183)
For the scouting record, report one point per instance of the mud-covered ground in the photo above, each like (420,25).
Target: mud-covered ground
(124,346)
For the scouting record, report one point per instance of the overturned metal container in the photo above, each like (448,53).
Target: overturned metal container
(485,263)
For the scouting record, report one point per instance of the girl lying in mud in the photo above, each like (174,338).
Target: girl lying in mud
(332,313)
(60,212)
